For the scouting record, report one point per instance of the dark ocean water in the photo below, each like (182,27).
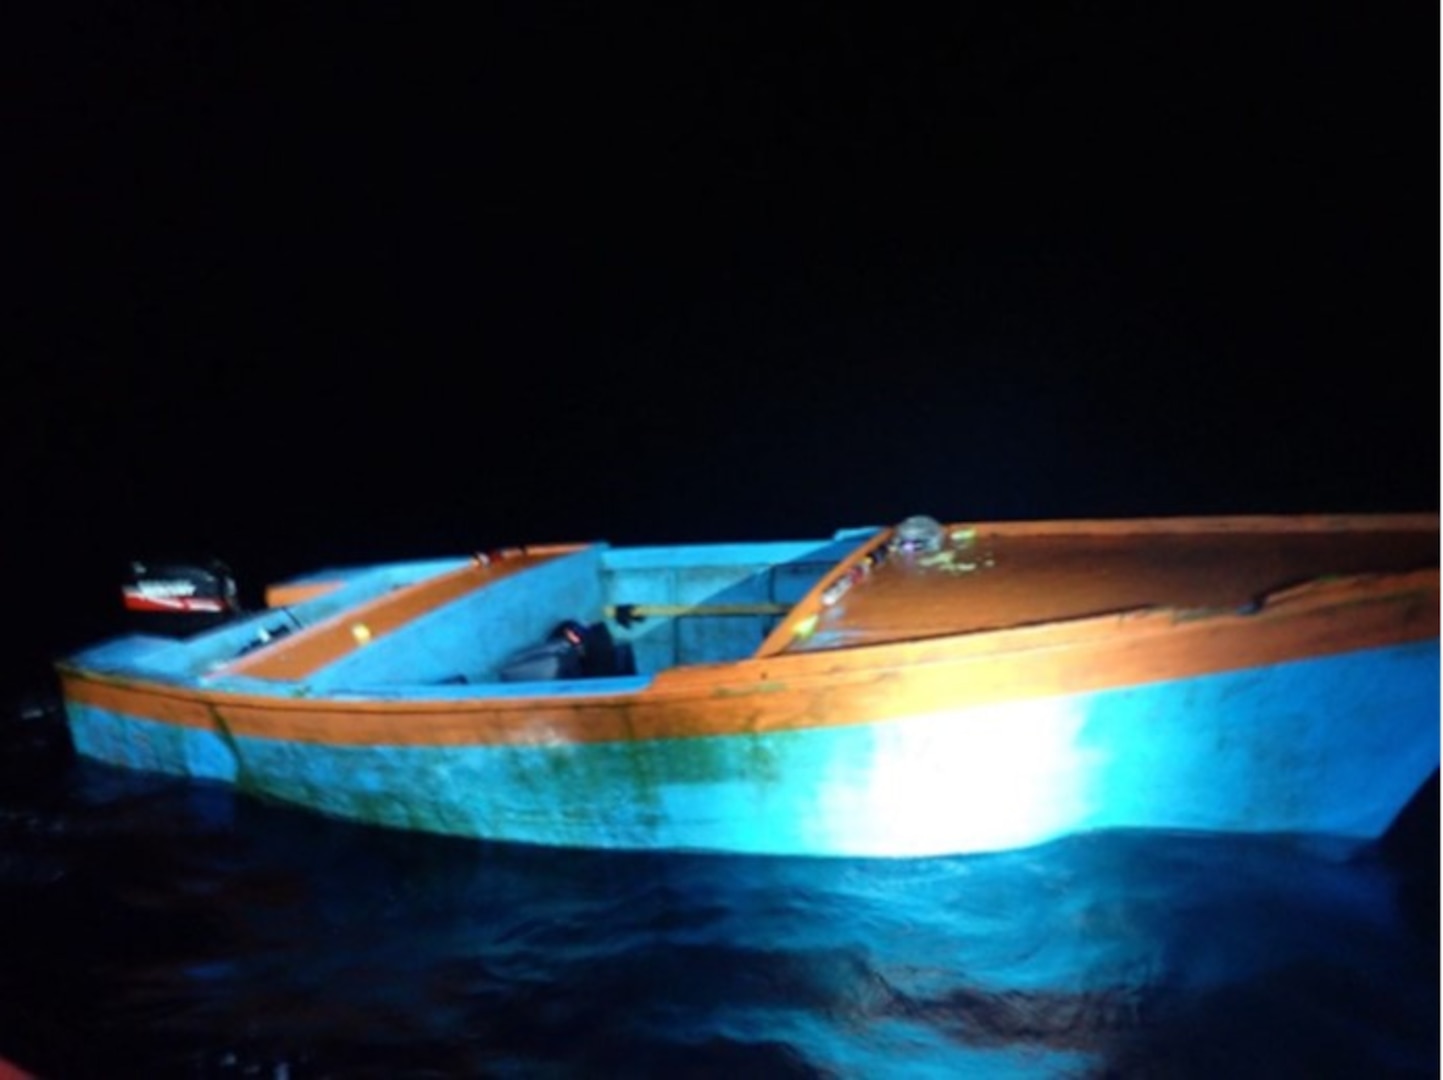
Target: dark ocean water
(150,927)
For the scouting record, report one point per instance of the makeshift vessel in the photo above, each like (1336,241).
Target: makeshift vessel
(905,691)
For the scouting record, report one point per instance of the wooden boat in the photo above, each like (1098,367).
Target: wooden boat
(905,691)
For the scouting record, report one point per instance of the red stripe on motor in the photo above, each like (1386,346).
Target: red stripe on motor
(135,601)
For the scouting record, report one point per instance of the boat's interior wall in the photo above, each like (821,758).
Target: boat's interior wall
(468,639)
(695,582)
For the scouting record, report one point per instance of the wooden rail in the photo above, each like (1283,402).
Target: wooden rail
(811,605)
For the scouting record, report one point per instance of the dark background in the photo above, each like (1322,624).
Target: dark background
(361,284)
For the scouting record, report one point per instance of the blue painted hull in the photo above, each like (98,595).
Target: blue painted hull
(1333,745)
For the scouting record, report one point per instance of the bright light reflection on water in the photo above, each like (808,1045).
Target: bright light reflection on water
(180,929)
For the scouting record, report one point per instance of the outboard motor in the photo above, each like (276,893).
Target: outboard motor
(571,651)
(179,599)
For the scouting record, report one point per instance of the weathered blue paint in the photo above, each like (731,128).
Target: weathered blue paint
(470,637)
(750,554)
(150,746)
(457,692)
(711,574)
(1330,745)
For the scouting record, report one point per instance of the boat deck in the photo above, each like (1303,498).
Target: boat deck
(1008,576)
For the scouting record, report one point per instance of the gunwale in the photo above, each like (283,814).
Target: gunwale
(830,688)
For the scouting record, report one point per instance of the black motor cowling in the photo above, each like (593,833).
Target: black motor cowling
(178,599)
(571,651)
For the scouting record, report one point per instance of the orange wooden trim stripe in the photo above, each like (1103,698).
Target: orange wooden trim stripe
(797,691)
(785,631)
(285,595)
(298,655)
(546,549)
(1254,523)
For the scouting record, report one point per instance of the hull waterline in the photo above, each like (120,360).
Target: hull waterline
(1314,712)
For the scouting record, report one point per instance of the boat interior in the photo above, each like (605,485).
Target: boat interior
(541,614)
(568,616)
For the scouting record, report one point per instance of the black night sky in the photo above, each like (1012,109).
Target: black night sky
(370,282)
